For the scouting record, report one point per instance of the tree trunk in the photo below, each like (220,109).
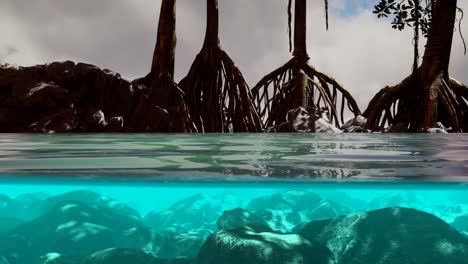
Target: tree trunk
(436,59)
(300,30)
(417,104)
(217,94)
(439,43)
(298,84)
(164,52)
(212,24)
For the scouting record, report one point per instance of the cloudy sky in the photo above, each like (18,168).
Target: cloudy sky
(361,52)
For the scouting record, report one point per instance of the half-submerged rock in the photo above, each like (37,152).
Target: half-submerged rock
(260,245)
(66,97)
(306,120)
(62,97)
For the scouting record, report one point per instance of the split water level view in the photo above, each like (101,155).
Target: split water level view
(243,198)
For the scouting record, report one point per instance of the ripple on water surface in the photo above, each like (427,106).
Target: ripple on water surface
(238,157)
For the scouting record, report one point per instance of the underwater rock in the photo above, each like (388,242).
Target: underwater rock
(171,244)
(200,211)
(260,245)
(15,249)
(182,229)
(397,199)
(238,217)
(326,209)
(24,207)
(56,258)
(352,203)
(293,200)
(93,199)
(5,205)
(461,224)
(392,235)
(129,256)
(356,125)
(120,256)
(76,229)
(3,260)
(447,212)
(310,120)
(9,223)
(284,211)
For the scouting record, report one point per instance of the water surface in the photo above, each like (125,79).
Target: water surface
(238,157)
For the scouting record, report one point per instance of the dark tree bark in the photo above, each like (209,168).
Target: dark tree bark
(300,30)
(164,52)
(298,84)
(429,95)
(162,107)
(217,94)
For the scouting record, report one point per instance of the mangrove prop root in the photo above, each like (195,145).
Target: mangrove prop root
(420,105)
(218,96)
(299,84)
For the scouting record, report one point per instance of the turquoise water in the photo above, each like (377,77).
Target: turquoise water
(246,198)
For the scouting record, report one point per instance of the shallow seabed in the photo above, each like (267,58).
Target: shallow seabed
(244,198)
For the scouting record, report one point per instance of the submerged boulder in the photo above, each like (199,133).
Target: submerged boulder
(73,228)
(93,199)
(120,256)
(56,258)
(237,218)
(260,245)
(170,244)
(392,235)
(461,224)
(397,199)
(181,230)
(23,208)
(129,256)
(290,200)
(200,211)
(8,223)
(284,211)
(326,209)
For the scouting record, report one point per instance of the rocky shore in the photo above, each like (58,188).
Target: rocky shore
(68,97)
(65,97)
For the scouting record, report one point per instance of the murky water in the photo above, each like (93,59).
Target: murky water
(244,198)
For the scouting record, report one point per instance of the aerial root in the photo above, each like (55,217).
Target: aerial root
(295,84)
(441,101)
(218,96)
